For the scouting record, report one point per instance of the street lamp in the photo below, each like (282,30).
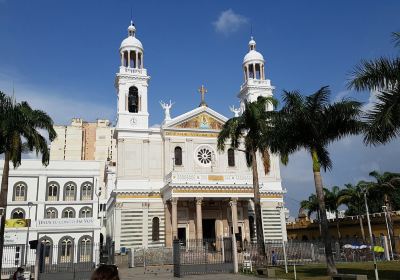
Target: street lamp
(384,208)
(30,204)
(370,235)
(281,208)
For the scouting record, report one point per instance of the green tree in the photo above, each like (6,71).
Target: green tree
(246,133)
(334,199)
(19,131)
(312,123)
(312,206)
(386,183)
(383,76)
(353,197)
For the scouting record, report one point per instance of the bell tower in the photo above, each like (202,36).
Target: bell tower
(255,84)
(131,83)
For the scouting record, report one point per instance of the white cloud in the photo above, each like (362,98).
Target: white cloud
(55,102)
(229,22)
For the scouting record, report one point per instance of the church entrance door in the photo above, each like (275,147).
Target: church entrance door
(209,229)
(182,235)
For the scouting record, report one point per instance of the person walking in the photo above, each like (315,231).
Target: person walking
(105,272)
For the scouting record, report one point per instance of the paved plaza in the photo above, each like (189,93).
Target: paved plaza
(139,273)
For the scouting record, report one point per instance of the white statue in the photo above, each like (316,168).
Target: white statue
(234,110)
(166,108)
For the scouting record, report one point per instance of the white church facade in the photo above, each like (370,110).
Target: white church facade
(171,181)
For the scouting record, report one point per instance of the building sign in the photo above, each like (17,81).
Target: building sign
(65,222)
(17,223)
(14,237)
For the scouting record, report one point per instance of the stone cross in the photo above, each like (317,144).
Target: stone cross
(202,90)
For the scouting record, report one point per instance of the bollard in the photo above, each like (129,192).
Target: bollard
(386,248)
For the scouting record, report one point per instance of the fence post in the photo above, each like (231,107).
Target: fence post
(177,258)
(235,256)
(284,255)
(312,252)
(386,248)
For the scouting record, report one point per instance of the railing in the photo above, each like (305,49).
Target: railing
(129,70)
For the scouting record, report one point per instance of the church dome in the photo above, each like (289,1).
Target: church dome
(253,55)
(131,42)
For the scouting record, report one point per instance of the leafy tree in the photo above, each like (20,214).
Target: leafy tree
(352,196)
(334,199)
(312,123)
(19,125)
(383,76)
(248,130)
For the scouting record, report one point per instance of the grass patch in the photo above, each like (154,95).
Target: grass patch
(386,270)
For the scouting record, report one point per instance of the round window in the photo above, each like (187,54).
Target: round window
(205,155)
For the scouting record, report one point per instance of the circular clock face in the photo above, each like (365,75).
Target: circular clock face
(133,121)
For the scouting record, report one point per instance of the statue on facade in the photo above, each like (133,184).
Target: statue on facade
(235,111)
(166,108)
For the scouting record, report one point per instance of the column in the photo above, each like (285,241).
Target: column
(122,59)
(233,204)
(174,202)
(199,218)
(137,60)
(129,59)
(254,71)
(248,72)
(168,228)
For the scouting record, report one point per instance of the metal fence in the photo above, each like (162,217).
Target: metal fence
(200,256)
(15,256)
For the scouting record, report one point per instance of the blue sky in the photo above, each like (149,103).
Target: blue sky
(62,56)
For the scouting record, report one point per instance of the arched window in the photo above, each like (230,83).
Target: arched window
(51,213)
(85,249)
(86,212)
(52,191)
(133,100)
(66,249)
(86,191)
(68,213)
(47,248)
(178,156)
(231,157)
(155,229)
(18,213)
(20,189)
(251,226)
(70,191)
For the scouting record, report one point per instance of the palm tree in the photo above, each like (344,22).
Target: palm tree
(333,202)
(352,196)
(312,206)
(19,125)
(248,131)
(312,123)
(386,183)
(383,76)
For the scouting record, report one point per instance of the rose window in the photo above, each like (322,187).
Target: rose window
(205,155)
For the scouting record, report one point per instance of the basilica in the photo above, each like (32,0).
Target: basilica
(171,181)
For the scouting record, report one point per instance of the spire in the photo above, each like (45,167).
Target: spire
(252,44)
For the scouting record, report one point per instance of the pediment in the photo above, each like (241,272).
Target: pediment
(198,119)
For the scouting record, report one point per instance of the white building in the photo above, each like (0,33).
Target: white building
(171,182)
(61,200)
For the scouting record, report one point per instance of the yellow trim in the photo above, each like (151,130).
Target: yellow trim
(190,134)
(211,191)
(215,177)
(271,195)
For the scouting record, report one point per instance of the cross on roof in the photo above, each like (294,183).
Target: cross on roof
(202,90)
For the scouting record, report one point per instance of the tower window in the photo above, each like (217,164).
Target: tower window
(155,229)
(133,100)
(231,157)
(178,155)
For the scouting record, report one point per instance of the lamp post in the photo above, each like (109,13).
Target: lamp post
(384,208)
(370,235)
(30,204)
(281,208)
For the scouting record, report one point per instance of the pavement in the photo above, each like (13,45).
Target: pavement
(139,273)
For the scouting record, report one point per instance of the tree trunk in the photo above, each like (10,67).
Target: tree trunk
(390,222)
(3,203)
(330,262)
(257,205)
(337,226)
(362,229)
(319,223)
